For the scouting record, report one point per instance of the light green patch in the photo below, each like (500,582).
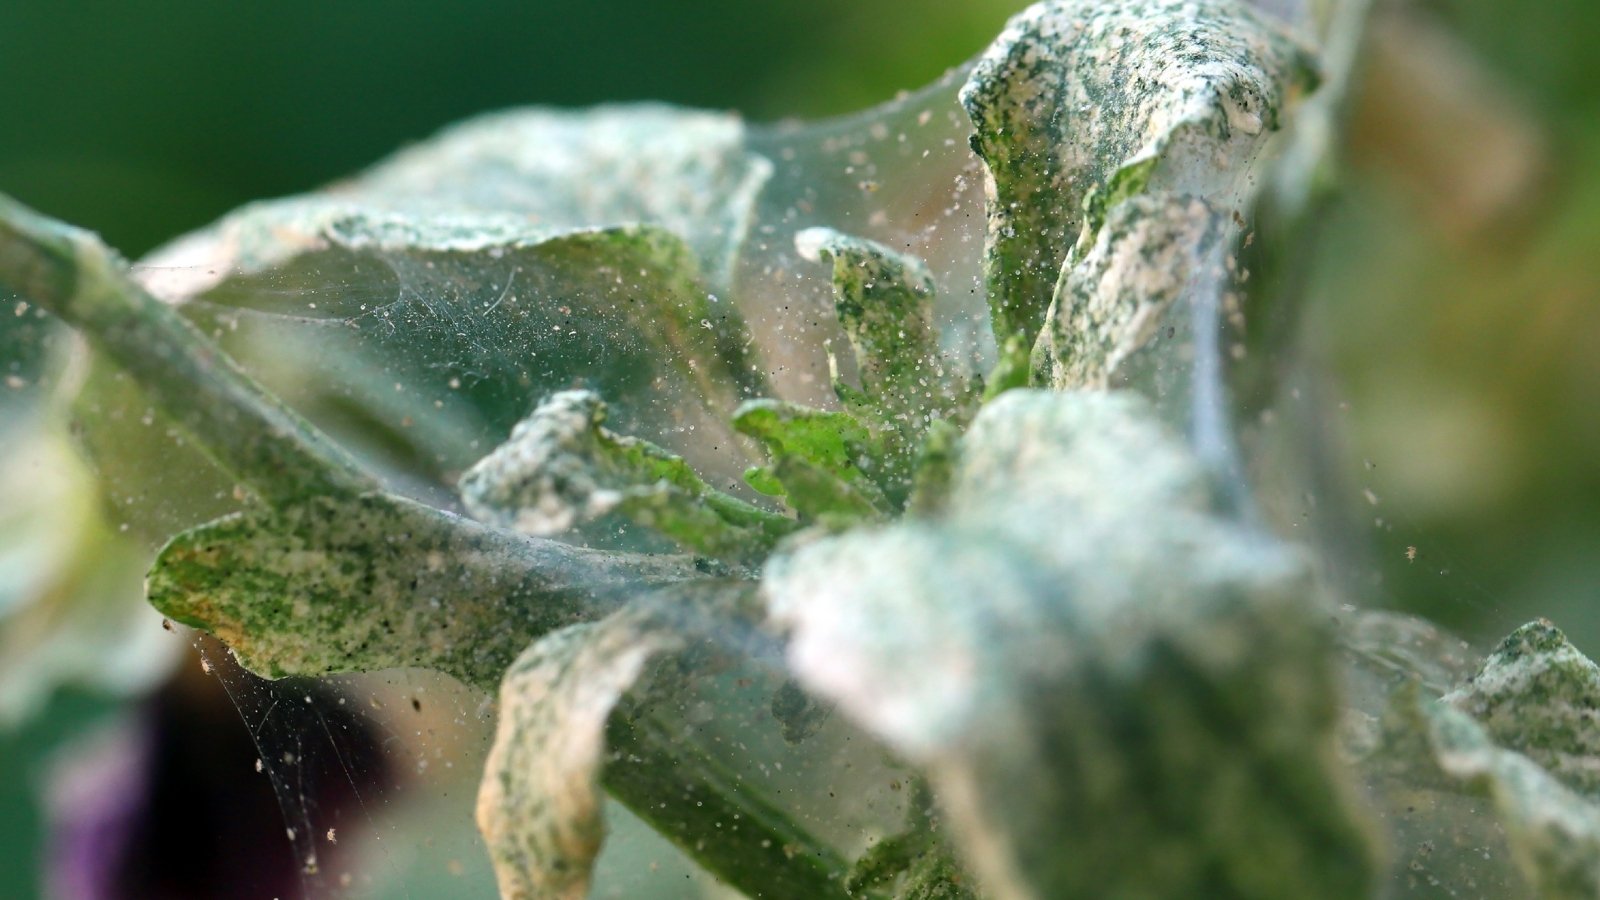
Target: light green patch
(825,463)
(561,468)
(1081,103)
(1078,645)
(377,582)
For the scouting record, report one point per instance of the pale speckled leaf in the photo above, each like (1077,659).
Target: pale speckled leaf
(1442,841)
(516,254)
(1538,695)
(539,805)
(376,582)
(1521,731)
(521,176)
(573,718)
(561,468)
(1082,103)
(1118,311)
(1078,651)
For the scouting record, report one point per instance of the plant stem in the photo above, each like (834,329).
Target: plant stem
(246,430)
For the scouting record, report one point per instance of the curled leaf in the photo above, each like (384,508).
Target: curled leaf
(1521,731)
(1080,104)
(520,175)
(1553,832)
(1116,311)
(512,256)
(1081,654)
(884,303)
(577,710)
(539,806)
(561,468)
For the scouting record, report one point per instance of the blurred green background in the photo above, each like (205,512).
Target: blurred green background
(1455,298)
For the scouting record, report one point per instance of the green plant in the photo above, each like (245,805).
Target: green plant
(1027,586)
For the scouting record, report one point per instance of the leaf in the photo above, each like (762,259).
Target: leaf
(1553,831)
(573,708)
(514,255)
(884,301)
(379,582)
(1119,309)
(1538,695)
(827,463)
(1080,104)
(1521,731)
(521,176)
(561,468)
(539,806)
(1096,671)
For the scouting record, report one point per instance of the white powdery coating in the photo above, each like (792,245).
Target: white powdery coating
(1153,251)
(1539,695)
(1076,577)
(542,481)
(506,180)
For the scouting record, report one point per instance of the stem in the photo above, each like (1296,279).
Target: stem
(714,816)
(247,431)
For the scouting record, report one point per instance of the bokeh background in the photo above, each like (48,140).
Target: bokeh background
(1454,302)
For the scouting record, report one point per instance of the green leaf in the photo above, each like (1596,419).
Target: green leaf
(827,463)
(561,469)
(378,582)
(1118,311)
(1079,104)
(884,300)
(1080,653)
